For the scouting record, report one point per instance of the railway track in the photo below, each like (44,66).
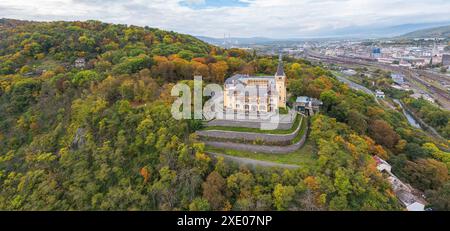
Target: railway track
(437,90)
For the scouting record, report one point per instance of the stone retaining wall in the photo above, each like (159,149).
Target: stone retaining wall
(261,148)
(250,136)
(245,124)
(286,122)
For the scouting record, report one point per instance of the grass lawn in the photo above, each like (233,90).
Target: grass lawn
(283,111)
(302,130)
(257,130)
(305,156)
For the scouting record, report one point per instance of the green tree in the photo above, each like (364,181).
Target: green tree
(283,196)
(199,204)
(84,77)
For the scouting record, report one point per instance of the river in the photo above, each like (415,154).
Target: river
(410,118)
(356,86)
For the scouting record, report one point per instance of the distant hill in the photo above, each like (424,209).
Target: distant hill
(352,32)
(6,23)
(441,32)
(65,41)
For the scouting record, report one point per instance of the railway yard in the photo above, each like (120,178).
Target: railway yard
(428,82)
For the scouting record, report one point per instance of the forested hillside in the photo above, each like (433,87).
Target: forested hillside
(101,136)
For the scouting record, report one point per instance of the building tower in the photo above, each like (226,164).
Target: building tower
(436,58)
(435,50)
(280,82)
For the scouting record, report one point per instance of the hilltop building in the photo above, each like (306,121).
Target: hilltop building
(256,94)
(80,63)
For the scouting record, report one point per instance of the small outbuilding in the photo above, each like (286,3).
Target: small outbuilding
(80,63)
(416,206)
(380,94)
(382,165)
(307,105)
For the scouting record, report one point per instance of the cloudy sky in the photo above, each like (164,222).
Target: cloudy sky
(242,18)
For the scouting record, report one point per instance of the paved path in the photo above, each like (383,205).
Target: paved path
(252,162)
(257,148)
(356,86)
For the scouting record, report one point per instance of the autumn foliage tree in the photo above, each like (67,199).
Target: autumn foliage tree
(383,133)
(214,190)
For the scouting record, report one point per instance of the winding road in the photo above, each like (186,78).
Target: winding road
(356,86)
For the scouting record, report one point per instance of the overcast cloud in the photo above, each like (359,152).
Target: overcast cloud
(240,18)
